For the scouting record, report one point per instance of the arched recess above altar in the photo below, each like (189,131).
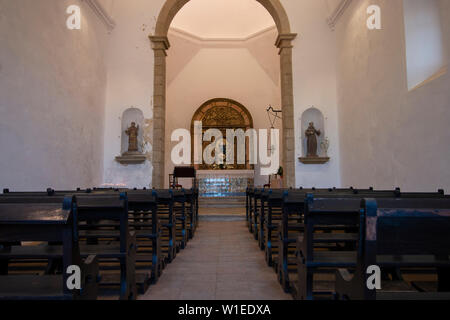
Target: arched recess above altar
(222,180)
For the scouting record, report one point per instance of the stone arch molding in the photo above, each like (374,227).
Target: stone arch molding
(160,44)
(172,7)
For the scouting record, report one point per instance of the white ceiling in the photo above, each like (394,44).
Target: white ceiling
(223,19)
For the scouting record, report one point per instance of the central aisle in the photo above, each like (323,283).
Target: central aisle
(222,262)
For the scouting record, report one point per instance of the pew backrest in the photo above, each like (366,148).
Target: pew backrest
(407,226)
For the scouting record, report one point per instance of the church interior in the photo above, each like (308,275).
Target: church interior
(250,150)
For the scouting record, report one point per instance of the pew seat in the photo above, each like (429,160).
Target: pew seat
(30,287)
(43,222)
(332,259)
(45,251)
(49,287)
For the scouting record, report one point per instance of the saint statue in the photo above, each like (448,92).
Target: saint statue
(311,145)
(132,133)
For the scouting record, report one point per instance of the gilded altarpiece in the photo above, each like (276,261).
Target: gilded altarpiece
(223,114)
(227,179)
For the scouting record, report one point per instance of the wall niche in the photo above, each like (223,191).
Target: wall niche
(315,116)
(128,117)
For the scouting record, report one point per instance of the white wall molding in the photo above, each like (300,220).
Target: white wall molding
(101,13)
(219,41)
(337,13)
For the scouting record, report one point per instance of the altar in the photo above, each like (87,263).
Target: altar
(224,183)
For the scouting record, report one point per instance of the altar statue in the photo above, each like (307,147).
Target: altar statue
(311,145)
(132,133)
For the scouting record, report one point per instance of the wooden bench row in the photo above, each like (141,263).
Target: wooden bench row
(404,238)
(48,222)
(132,234)
(281,220)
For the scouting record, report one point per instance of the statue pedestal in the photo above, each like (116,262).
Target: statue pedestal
(314,160)
(131,158)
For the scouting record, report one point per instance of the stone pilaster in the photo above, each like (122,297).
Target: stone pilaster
(284,43)
(159,46)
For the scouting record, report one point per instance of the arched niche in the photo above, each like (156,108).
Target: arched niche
(132,115)
(313,115)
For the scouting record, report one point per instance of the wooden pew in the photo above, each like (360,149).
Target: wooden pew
(159,234)
(331,215)
(249,205)
(180,205)
(179,210)
(98,217)
(47,197)
(272,217)
(269,217)
(256,211)
(166,203)
(191,197)
(163,222)
(144,220)
(262,216)
(43,222)
(178,213)
(404,234)
(324,213)
(292,226)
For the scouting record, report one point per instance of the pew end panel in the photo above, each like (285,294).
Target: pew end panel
(401,234)
(328,215)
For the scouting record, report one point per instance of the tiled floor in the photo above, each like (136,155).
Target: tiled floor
(223,261)
(221,211)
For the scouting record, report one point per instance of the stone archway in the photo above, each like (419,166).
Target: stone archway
(160,44)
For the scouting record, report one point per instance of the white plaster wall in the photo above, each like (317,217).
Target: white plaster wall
(389,136)
(425,50)
(240,72)
(314,69)
(52,89)
(130,84)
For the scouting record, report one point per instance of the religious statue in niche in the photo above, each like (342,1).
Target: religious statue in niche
(132,133)
(132,156)
(311,145)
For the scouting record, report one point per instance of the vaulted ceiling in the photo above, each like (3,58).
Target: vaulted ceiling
(223,19)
